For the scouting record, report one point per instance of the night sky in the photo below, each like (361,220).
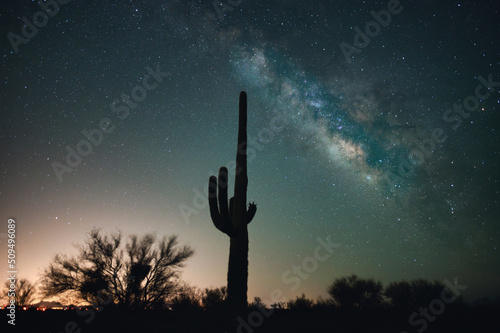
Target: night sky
(387,144)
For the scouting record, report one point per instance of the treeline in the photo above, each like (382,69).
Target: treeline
(354,305)
(134,285)
(346,294)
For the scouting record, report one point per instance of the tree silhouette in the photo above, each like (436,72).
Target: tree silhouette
(232,218)
(278,305)
(413,294)
(323,305)
(213,299)
(350,293)
(188,299)
(24,292)
(257,303)
(301,304)
(141,275)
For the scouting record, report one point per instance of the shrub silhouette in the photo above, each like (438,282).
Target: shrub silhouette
(351,293)
(214,299)
(411,295)
(188,300)
(257,304)
(300,304)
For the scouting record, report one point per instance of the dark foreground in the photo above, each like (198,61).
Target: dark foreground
(482,319)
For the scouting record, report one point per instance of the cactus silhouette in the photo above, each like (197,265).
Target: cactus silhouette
(232,217)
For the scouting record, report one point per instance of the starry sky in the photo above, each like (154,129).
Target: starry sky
(381,136)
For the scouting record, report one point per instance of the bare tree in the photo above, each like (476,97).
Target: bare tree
(23,292)
(141,274)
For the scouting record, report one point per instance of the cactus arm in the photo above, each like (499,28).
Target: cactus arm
(252,209)
(220,222)
(212,201)
(223,206)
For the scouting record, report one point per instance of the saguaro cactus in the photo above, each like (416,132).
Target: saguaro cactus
(232,217)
